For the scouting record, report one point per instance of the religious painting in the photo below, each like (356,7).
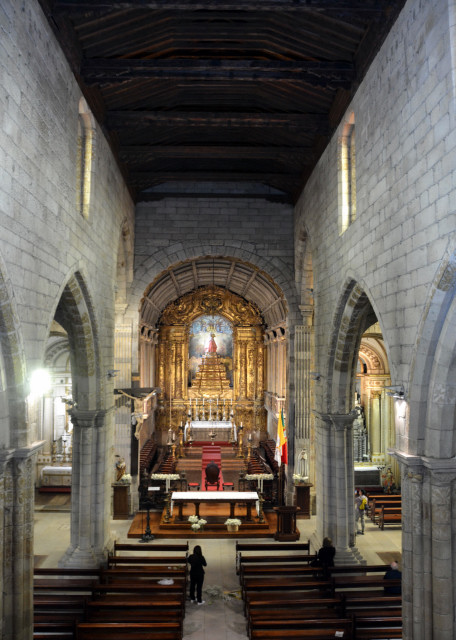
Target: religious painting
(210,334)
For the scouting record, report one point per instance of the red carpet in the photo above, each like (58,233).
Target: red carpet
(211,453)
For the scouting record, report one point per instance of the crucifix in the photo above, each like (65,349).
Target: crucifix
(138,414)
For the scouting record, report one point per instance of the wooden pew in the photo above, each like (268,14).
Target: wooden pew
(128,631)
(389,515)
(316,629)
(113,561)
(144,573)
(260,552)
(153,546)
(376,504)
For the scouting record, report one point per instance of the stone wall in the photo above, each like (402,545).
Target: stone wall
(46,246)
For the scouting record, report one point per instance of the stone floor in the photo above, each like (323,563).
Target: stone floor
(222,612)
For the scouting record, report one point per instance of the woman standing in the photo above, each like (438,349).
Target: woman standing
(197,562)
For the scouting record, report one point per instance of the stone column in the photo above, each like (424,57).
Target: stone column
(428,534)
(90,497)
(17,469)
(335,484)
(375,431)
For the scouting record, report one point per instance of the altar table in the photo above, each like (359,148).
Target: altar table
(249,498)
(201,430)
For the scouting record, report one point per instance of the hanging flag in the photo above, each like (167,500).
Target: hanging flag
(281,443)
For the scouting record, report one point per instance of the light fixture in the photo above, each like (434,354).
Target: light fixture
(112,373)
(40,382)
(315,376)
(396,391)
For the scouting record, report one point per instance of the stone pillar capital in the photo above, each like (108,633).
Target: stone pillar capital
(338,421)
(88,418)
(442,470)
(28,451)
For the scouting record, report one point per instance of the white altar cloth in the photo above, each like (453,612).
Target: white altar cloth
(56,476)
(208,425)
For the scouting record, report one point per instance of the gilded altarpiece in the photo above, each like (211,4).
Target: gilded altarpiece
(228,376)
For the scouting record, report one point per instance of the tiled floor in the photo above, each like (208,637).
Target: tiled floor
(222,614)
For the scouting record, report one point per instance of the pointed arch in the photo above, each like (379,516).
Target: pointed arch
(431,429)
(13,421)
(75,313)
(353,316)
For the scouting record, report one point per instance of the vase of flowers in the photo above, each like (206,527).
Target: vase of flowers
(233,524)
(196,523)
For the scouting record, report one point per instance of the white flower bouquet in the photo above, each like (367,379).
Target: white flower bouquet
(233,521)
(259,476)
(196,523)
(297,477)
(165,476)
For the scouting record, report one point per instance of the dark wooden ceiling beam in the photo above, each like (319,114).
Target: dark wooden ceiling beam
(142,154)
(313,122)
(149,179)
(297,6)
(109,71)
(153,196)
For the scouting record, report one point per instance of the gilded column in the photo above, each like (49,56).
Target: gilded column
(375,431)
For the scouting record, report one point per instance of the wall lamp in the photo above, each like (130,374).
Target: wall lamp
(315,376)
(397,392)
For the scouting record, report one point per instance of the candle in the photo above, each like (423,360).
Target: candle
(217,401)
(190,403)
(174,436)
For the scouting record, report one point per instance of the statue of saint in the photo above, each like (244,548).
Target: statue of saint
(212,347)
(121,468)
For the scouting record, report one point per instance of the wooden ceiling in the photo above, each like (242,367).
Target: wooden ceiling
(211,96)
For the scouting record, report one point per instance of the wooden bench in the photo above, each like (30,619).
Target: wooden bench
(113,561)
(377,503)
(128,631)
(260,551)
(178,574)
(153,546)
(54,628)
(308,629)
(389,515)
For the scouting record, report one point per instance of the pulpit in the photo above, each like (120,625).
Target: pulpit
(286,523)
(121,501)
(303,499)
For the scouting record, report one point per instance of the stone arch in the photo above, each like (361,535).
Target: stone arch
(125,255)
(432,402)
(354,315)
(13,421)
(74,312)
(161,260)
(304,270)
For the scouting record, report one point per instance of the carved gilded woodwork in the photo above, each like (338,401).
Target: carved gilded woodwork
(211,380)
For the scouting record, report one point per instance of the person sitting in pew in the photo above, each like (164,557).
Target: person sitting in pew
(325,556)
(393,574)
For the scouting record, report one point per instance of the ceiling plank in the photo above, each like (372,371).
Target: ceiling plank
(108,71)
(143,153)
(314,122)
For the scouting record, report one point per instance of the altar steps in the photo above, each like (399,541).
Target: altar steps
(161,529)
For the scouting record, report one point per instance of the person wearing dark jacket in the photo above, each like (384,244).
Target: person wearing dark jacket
(393,574)
(325,556)
(197,562)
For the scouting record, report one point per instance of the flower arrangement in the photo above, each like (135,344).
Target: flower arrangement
(233,521)
(125,479)
(196,523)
(297,478)
(259,476)
(165,476)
